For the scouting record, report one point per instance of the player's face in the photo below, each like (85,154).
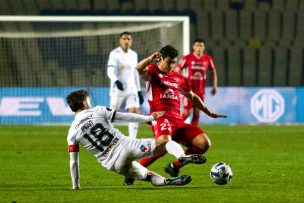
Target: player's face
(125,42)
(167,64)
(199,48)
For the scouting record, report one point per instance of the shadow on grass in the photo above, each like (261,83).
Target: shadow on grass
(15,187)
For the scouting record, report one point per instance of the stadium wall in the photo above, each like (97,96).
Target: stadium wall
(252,105)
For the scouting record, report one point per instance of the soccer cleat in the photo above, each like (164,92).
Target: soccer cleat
(179,180)
(171,170)
(192,158)
(129,181)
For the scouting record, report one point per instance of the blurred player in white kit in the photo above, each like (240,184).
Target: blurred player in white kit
(93,130)
(125,86)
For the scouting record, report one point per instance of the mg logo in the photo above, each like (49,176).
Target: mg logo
(267,105)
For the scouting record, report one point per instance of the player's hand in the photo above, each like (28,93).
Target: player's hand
(157,114)
(213,91)
(156,56)
(119,85)
(216,115)
(141,98)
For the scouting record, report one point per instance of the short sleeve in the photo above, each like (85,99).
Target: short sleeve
(106,112)
(211,66)
(185,86)
(71,139)
(147,75)
(182,63)
(136,57)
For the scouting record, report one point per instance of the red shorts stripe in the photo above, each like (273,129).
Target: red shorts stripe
(74,148)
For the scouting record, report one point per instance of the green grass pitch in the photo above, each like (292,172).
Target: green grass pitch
(267,162)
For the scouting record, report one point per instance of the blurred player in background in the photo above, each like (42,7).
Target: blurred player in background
(92,128)
(125,86)
(197,64)
(163,93)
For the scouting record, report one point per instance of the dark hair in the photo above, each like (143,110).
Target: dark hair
(199,40)
(125,33)
(168,51)
(75,99)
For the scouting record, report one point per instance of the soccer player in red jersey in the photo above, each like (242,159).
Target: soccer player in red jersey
(197,64)
(163,93)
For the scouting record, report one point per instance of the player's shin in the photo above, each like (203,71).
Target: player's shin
(174,148)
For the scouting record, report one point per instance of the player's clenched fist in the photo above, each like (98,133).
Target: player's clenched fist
(156,56)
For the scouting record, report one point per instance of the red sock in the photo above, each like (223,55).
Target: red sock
(147,161)
(190,150)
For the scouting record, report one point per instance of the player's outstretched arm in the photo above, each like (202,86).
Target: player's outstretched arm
(142,65)
(196,100)
(132,117)
(214,83)
(74,166)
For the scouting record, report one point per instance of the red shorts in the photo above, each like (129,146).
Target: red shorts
(188,104)
(180,132)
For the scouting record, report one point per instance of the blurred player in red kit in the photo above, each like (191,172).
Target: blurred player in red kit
(164,87)
(197,64)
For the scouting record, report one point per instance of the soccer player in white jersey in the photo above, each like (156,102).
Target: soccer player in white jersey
(125,86)
(93,130)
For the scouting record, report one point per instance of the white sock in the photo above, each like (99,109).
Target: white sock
(138,171)
(174,148)
(157,180)
(133,128)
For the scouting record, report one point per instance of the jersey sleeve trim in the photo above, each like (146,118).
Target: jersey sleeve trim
(113,117)
(74,148)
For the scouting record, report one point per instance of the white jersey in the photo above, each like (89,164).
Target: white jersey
(122,67)
(92,128)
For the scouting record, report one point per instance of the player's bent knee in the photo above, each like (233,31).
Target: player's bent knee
(161,142)
(202,141)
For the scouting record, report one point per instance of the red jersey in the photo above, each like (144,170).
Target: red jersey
(164,89)
(197,68)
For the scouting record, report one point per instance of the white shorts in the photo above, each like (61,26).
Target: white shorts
(132,149)
(129,101)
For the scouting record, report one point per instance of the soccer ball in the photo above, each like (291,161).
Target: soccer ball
(221,173)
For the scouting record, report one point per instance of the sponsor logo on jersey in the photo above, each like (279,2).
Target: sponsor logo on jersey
(198,67)
(197,76)
(171,84)
(143,148)
(83,120)
(169,94)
